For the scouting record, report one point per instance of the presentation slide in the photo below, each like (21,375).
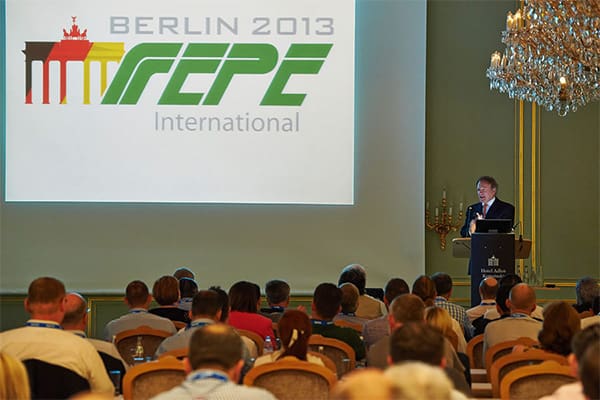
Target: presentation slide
(180,101)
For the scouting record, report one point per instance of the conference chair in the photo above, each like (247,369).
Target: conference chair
(144,381)
(328,362)
(475,352)
(510,362)
(340,352)
(179,354)
(179,324)
(346,324)
(291,379)
(535,381)
(256,338)
(504,348)
(49,381)
(126,342)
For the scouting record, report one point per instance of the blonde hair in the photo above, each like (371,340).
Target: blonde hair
(14,382)
(440,319)
(364,384)
(419,381)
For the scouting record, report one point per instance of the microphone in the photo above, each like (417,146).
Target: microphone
(515,225)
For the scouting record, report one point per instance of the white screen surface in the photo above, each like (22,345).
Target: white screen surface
(180,101)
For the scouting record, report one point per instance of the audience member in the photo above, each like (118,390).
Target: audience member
(364,384)
(521,303)
(138,300)
(187,290)
(488,287)
(349,305)
(419,381)
(166,294)
(244,300)
(439,319)
(589,371)
(224,301)
(594,319)
(206,309)
(561,323)
(510,280)
(183,272)
(405,308)
(43,339)
(586,289)
(14,383)
(294,329)
(327,300)
(417,341)
(582,341)
(424,287)
(443,288)
(368,307)
(278,298)
(214,366)
(76,320)
(377,328)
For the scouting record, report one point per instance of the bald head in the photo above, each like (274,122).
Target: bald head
(521,299)
(488,288)
(75,312)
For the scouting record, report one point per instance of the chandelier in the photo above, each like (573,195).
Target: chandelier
(552,54)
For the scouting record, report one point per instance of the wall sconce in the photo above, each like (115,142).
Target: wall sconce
(442,222)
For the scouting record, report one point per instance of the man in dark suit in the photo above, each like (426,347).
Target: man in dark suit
(489,206)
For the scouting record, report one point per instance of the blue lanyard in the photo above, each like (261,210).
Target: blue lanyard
(519,315)
(208,375)
(43,325)
(277,309)
(321,322)
(137,311)
(196,325)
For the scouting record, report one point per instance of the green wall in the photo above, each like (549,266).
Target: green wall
(471,132)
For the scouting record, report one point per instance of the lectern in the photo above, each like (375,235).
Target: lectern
(491,254)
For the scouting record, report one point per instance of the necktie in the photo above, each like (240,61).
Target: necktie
(484,209)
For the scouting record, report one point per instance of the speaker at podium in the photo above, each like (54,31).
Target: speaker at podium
(492,250)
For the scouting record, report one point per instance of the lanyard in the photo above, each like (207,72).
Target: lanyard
(44,325)
(349,314)
(277,309)
(519,315)
(321,322)
(487,304)
(196,325)
(137,311)
(208,375)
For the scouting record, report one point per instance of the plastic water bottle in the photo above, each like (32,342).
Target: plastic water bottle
(268,348)
(138,354)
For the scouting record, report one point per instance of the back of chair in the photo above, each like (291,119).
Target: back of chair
(126,342)
(179,354)
(475,352)
(328,362)
(292,380)
(179,324)
(504,348)
(535,381)
(347,324)
(144,381)
(49,381)
(256,338)
(502,366)
(340,352)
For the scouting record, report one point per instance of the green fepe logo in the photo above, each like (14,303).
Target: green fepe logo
(224,60)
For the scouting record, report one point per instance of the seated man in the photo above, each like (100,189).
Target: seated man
(377,328)
(586,290)
(488,287)
(188,289)
(138,299)
(43,339)
(206,310)
(417,341)
(521,303)
(278,298)
(368,307)
(443,287)
(327,300)
(349,305)
(75,321)
(214,364)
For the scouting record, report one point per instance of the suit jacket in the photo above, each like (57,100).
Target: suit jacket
(498,210)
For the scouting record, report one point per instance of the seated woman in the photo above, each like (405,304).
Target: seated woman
(294,331)
(166,293)
(424,287)
(561,323)
(440,319)
(244,302)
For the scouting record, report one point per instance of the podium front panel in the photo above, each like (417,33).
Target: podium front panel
(492,254)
